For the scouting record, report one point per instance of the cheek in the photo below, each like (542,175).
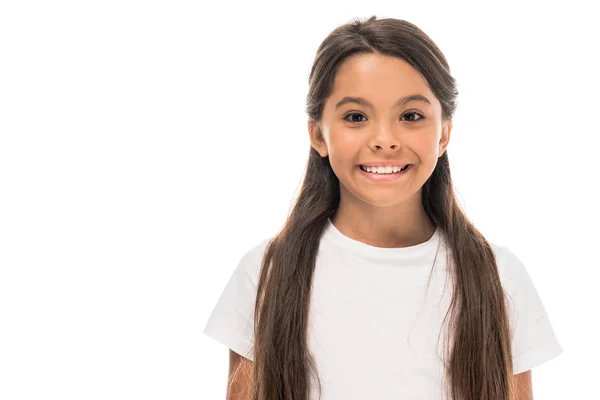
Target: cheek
(343,150)
(341,168)
(342,165)
(426,148)
(428,158)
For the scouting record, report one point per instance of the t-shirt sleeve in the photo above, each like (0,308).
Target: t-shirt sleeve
(532,336)
(232,319)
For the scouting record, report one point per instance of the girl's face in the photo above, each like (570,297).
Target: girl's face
(378,128)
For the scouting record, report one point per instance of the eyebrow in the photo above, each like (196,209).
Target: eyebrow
(363,102)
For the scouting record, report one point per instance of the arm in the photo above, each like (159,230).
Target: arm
(523,389)
(240,377)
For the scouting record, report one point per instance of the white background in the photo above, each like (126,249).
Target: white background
(145,146)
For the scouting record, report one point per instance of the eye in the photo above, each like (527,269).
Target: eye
(408,113)
(352,113)
(415,113)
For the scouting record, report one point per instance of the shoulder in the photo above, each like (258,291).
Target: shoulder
(516,281)
(250,262)
(511,269)
(231,321)
(532,335)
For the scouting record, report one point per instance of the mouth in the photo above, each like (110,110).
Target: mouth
(386,171)
(396,174)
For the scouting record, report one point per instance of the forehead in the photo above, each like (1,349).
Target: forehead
(378,78)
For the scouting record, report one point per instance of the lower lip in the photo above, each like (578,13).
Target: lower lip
(384,177)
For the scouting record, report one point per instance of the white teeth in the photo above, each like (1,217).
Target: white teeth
(382,170)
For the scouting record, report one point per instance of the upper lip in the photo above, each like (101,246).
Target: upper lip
(385,164)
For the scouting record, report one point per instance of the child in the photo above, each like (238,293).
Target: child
(378,286)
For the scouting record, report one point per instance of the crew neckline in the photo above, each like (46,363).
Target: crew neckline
(388,253)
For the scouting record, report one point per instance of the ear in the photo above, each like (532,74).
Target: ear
(445,139)
(317,141)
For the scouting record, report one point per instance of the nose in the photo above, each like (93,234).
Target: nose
(385,139)
(391,146)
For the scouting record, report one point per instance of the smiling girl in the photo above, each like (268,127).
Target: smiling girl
(378,286)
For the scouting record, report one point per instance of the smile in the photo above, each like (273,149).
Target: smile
(385,176)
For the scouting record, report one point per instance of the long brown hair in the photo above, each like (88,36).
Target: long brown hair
(479,366)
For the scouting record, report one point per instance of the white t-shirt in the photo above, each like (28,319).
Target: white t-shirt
(374,327)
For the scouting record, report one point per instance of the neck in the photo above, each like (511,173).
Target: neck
(402,225)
